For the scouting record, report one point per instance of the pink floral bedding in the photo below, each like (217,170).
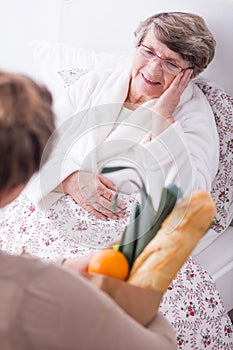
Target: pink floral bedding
(222,187)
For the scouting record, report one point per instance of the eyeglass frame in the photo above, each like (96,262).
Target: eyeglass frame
(163,59)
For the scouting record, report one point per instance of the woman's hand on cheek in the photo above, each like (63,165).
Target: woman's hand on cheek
(93,193)
(169,100)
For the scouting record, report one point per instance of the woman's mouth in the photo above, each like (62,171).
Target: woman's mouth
(149,81)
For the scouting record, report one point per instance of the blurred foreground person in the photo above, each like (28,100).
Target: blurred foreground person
(44,306)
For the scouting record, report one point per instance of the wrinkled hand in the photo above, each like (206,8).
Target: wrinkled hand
(169,100)
(94,193)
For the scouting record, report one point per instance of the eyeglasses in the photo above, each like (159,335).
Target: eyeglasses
(167,65)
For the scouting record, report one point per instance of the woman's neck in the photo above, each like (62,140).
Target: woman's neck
(130,105)
(133,100)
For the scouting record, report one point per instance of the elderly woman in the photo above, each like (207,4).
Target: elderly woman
(150,116)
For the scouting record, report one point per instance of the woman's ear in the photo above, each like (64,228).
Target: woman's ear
(7,196)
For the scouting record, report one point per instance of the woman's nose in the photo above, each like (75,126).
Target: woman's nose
(154,65)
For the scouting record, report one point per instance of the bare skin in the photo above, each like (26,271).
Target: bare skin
(169,100)
(94,193)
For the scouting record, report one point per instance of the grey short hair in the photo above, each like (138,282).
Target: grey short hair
(184,33)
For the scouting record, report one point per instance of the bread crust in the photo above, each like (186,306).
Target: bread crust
(162,258)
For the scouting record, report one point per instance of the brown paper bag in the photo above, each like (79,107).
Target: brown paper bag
(141,304)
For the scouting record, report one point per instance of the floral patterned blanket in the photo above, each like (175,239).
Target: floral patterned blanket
(222,187)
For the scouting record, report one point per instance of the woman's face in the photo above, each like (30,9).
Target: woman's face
(149,80)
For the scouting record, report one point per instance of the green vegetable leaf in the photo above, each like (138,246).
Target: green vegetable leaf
(144,221)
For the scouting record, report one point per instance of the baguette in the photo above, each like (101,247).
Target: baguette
(163,257)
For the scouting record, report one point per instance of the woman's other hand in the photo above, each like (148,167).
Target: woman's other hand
(93,193)
(169,100)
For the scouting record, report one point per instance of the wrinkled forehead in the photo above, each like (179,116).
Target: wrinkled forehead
(160,48)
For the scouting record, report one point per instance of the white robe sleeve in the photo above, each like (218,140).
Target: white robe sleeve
(199,134)
(188,151)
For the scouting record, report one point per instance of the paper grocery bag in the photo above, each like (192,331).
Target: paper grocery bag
(140,303)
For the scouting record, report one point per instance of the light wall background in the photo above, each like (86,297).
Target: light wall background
(104,25)
(23,21)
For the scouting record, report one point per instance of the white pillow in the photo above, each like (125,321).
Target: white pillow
(59,65)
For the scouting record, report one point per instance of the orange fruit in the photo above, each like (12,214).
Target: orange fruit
(109,262)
